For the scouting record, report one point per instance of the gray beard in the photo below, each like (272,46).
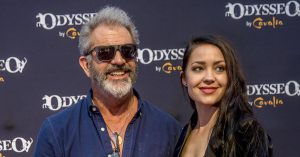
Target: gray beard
(116,88)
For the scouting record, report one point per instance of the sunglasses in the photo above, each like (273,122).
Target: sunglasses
(107,53)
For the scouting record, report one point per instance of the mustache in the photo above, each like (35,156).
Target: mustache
(113,68)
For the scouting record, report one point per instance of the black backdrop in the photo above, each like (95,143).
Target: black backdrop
(40,74)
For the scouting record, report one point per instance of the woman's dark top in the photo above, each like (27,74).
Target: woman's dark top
(243,136)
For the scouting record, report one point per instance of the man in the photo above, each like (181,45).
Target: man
(112,120)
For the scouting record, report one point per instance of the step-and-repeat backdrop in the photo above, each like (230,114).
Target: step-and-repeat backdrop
(40,74)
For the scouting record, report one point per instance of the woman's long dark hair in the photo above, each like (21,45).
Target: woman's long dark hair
(236,132)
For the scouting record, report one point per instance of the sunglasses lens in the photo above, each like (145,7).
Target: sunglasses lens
(129,51)
(105,53)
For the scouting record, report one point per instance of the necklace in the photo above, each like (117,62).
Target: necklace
(115,136)
(117,140)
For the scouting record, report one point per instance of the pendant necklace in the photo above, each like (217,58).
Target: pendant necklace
(117,139)
(115,136)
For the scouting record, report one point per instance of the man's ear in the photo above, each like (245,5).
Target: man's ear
(84,65)
(182,77)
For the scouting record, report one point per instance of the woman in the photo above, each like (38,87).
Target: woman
(223,124)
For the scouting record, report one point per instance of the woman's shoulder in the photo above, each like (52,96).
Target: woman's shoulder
(253,138)
(249,127)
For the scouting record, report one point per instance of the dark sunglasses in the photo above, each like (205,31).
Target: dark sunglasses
(107,53)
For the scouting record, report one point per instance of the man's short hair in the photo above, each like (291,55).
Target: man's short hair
(111,16)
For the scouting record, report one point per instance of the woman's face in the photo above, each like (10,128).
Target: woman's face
(205,75)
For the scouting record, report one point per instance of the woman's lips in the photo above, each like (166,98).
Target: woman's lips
(208,90)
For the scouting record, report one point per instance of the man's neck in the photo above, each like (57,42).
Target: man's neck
(111,106)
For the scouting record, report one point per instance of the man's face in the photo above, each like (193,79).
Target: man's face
(116,76)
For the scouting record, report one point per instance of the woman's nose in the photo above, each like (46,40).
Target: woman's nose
(209,77)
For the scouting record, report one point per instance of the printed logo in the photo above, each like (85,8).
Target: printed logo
(147,56)
(1,79)
(13,65)
(268,94)
(17,145)
(55,102)
(49,21)
(264,15)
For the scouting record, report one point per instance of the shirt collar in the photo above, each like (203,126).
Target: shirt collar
(94,110)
